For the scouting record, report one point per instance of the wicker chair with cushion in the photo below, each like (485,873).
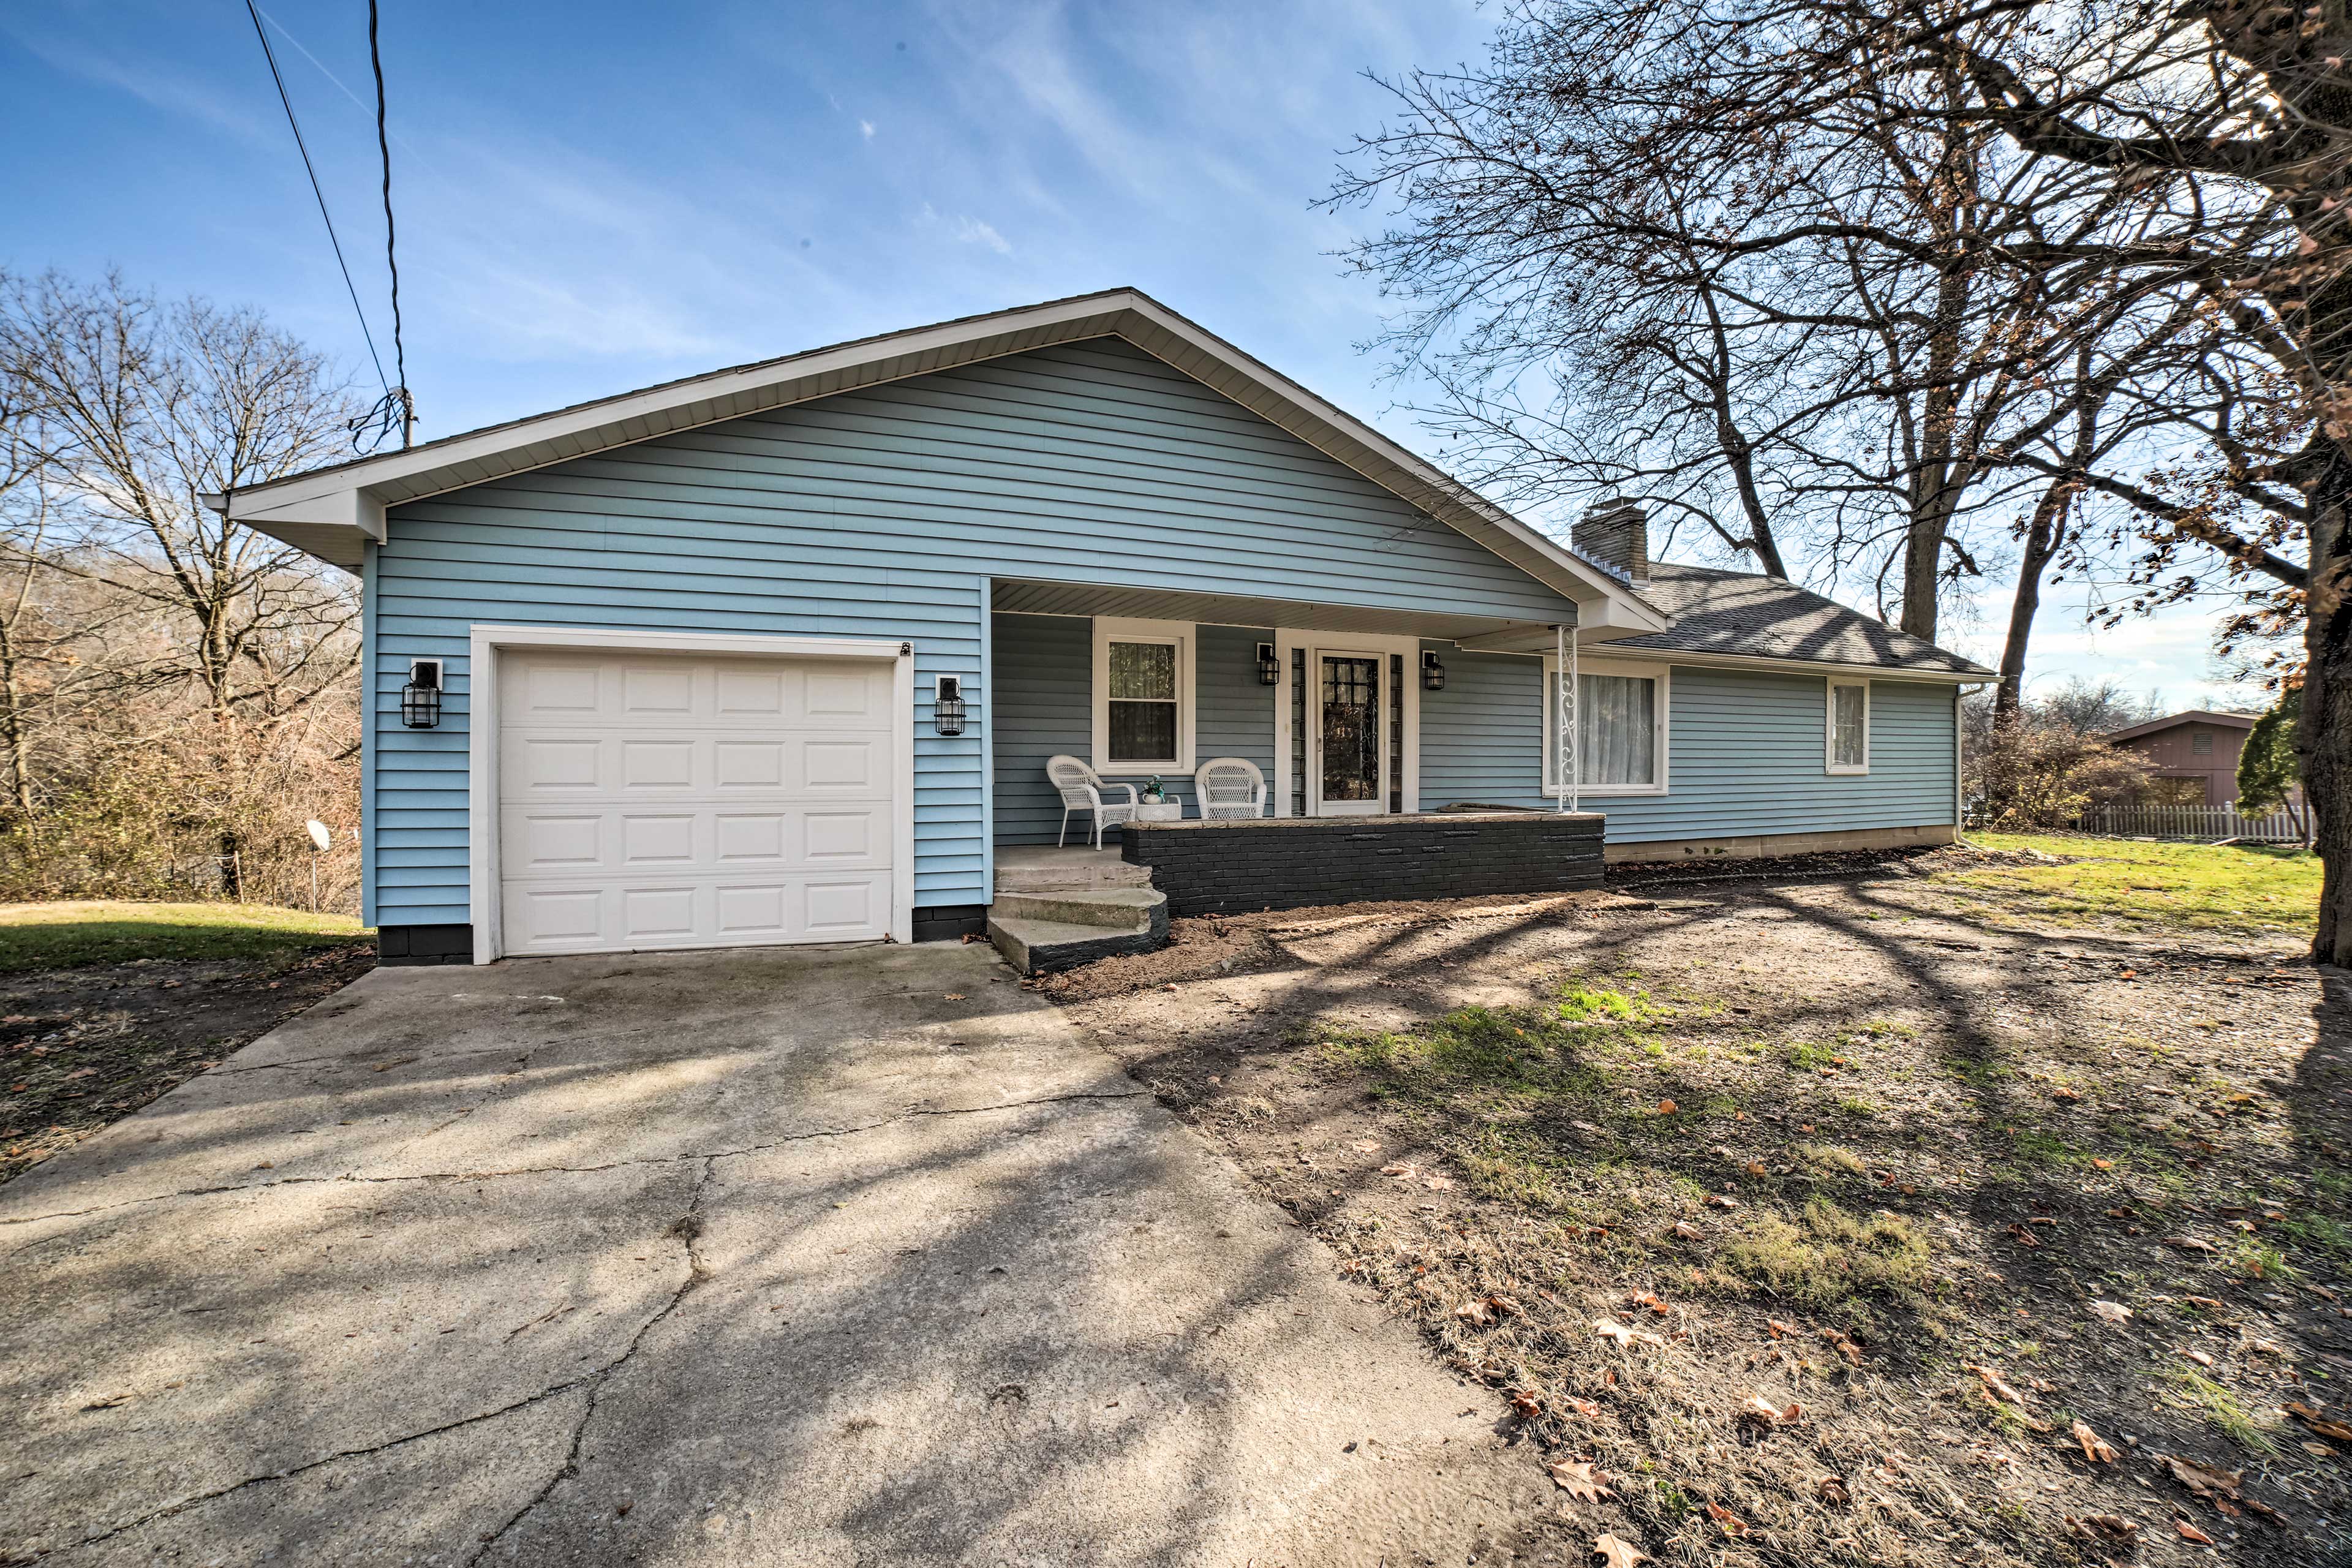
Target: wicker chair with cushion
(1229,789)
(1081,789)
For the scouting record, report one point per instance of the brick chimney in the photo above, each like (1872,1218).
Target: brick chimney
(1616,532)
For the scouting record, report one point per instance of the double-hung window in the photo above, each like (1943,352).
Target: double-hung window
(1849,727)
(1143,697)
(1621,727)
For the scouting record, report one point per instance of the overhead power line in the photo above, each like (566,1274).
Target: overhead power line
(269,54)
(407,406)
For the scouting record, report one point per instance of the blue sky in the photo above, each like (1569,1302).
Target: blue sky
(592,196)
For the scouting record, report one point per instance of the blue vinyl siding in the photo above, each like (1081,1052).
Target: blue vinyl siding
(1044,667)
(1236,717)
(1744,752)
(883,513)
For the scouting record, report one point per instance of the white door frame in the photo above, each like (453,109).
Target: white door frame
(1314,645)
(482,744)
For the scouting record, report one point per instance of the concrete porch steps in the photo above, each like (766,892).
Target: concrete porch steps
(1040,868)
(1059,908)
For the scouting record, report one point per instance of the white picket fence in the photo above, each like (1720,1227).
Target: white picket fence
(2197,824)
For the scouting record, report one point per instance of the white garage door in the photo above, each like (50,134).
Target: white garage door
(652,801)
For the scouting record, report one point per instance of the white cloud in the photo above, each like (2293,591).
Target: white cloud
(972,231)
(866,129)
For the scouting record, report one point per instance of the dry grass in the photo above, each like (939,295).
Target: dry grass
(1857,1152)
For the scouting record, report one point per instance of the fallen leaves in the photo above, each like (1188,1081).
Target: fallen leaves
(2022,1236)
(2095,1448)
(2190,1533)
(1761,1412)
(1831,1491)
(1995,1385)
(2189,1244)
(1666,1108)
(1611,1329)
(2325,1425)
(1617,1551)
(1845,1346)
(2202,1480)
(1688,1232)
(1407,1171)
(1650,1298)
(2112,1528)
(1732,1524)
(2112,1311)
(1580,1480)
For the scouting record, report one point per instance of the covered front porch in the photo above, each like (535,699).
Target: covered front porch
(1368,770)
(1057,906)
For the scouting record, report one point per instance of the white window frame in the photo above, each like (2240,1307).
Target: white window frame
(1829,764)
(1661,717)
(1181,636)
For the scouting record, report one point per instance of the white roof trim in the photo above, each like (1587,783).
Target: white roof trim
(330,512)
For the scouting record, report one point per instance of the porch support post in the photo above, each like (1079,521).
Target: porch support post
(1565,764)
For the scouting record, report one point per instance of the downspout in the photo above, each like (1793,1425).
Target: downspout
(1960,790)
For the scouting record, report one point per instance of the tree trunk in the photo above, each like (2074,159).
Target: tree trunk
(2324,737)
(2042,535)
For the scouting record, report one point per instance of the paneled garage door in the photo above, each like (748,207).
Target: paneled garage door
(652,801)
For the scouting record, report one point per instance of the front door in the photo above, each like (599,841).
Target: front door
(1349,730)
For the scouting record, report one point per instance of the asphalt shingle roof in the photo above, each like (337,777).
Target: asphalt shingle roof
(1746,612)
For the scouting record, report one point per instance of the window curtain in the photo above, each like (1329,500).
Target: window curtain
(1851,706)
(1142,701)
(1616,728)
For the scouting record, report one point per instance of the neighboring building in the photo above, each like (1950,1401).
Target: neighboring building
(692,641)
(2192,757)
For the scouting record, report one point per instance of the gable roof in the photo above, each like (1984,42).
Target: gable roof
(331,511)
(2188,716)
(1743,614)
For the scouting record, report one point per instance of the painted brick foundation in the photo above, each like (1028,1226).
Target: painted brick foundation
(1288,863)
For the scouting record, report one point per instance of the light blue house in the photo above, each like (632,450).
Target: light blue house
(688,645)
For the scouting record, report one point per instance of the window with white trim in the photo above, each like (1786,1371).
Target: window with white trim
(1848,737)
(1621,727)
(1142,697)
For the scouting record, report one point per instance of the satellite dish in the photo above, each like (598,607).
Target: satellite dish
(321,839)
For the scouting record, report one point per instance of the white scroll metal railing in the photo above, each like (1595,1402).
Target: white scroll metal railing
(1566,761)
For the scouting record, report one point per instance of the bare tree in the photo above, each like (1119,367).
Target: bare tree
(1810,338)
(154,405)
(2116,154)
(141,409)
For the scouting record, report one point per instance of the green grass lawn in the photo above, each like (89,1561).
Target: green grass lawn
(2249,888)
(55,936)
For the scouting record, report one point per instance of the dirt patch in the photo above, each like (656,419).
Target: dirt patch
(81,1048)
(1205,946)
(1804,1221)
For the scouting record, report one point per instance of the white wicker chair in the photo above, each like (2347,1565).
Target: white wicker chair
(1082,790)
(1229,789)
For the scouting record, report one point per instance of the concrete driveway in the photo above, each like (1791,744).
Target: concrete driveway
(847,1257)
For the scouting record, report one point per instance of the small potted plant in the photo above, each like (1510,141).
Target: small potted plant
(1152,793)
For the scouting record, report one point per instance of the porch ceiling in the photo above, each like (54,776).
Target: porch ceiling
(1018,597)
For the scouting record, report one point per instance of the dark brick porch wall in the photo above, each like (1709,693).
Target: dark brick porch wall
(1288,863)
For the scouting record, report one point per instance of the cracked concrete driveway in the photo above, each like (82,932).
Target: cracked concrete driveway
(847,1257)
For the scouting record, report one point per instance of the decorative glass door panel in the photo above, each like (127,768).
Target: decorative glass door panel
(1353,740)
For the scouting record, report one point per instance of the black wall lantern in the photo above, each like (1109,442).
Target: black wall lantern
(1433,674)
(947,706)
(1269,669)
(420,700)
